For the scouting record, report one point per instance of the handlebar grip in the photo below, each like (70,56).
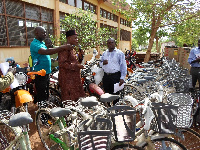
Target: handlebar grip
(41,73)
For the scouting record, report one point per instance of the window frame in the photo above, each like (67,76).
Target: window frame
(5,16)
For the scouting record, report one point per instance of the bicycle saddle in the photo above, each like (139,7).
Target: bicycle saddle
(149,69)
(141,81)
(108,97)
(59,112)
(89,101)
(149,77)
(20,119)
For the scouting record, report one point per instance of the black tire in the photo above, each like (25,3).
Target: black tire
(126,147)
(133,91)
(190,139)
(44,124)
(5,101)
(55,97)
(7,134)
(169,142)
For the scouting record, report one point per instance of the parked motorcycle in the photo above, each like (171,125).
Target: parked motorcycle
(17,99)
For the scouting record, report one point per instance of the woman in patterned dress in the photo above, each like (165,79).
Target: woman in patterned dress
(69,71)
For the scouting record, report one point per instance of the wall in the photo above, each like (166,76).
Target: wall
(45,3)
(124,45)
(20,54)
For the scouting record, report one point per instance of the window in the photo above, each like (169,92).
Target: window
(71,2)
(1,7)
(79,4)
(64,1)
(22,18)
(125,35)
(15,9)
(3,35)
(86,6)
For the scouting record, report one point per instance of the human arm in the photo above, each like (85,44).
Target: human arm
(6,81)
(192,57)
(50,51)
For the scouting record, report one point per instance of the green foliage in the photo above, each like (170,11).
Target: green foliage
(149,16)
(188,32)
(89,35)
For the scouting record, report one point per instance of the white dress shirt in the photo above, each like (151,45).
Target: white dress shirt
(116,62)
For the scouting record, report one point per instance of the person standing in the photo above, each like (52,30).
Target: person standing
(69,71)
(114,65)
(40,54)
(194,61)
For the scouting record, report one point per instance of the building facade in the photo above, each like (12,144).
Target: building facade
(18,18)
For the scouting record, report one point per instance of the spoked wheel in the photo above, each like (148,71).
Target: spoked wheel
(46,127)
(133,91)
(7,134)
(164,144)
(5,101)
(126,147)
(189,138)
(55,97)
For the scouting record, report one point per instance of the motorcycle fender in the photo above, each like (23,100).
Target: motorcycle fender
(96,89)
(22,96)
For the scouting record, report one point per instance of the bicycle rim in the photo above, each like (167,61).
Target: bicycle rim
(133,91)
(126,147)
(190,139)
(54,97)
(45,126)
(164,143)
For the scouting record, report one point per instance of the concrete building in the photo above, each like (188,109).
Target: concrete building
(18,18)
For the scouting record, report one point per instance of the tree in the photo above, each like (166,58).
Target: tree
(156,14)
(188,32)
(89,35)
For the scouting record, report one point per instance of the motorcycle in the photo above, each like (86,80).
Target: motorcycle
(16,99)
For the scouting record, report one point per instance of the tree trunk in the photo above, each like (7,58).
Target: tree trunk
(157,46)
(151,41)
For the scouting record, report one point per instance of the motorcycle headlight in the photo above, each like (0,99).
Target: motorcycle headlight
(21,78)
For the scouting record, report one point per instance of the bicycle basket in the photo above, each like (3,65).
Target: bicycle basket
(184,101)
(124,120)
(165,118)
(94,140)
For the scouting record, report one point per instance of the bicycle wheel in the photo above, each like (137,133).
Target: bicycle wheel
(46,126)
(126,147)
(190,139)
(164,143)
(133,91)
(7,134)
(55,97)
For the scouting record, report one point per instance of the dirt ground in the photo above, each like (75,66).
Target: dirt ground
(36,143)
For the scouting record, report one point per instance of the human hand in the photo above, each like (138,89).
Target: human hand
(121,81)
(81,66)
(105,62)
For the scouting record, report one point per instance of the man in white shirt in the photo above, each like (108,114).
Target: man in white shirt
(114,65)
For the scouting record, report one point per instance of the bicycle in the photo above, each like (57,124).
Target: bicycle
(14,132)
(55,133)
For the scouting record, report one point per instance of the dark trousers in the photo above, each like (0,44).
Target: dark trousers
(195,72)
(108,84)
(42,88)
(109,81)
